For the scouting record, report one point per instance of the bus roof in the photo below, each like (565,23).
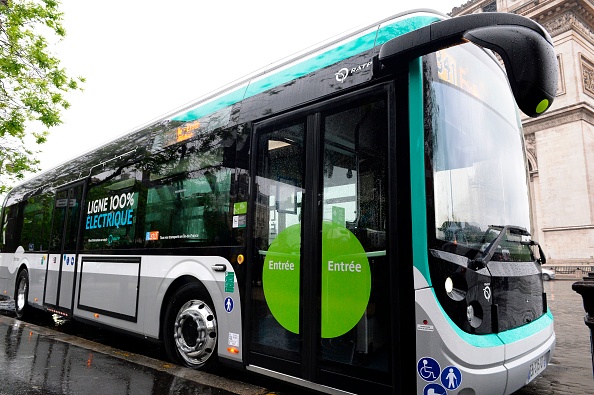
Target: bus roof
(298,65)
(327,53)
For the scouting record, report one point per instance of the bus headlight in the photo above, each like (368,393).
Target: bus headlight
(449,285)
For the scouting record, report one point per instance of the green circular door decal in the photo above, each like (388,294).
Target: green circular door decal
(280,277)
(346,279)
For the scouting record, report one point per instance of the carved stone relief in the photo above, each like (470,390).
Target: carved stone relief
(587,75)
(530,140)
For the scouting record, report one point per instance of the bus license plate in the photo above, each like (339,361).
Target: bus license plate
(537,366)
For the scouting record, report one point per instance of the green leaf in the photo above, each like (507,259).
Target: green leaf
(32,83)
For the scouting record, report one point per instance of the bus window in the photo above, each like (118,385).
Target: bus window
(354,197)
(10,232)
(280,182)
(479,209)
(111,211)
(277,233)
(37,216)
(189,195)
(354,172)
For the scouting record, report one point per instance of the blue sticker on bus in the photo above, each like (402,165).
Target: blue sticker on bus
(434,389)
(228,304)
(451,377)
(428,368)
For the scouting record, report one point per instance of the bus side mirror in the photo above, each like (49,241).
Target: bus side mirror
(530,63)
(525,47)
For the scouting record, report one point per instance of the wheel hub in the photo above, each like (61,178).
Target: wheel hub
(195,332)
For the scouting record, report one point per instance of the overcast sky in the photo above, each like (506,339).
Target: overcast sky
(142,59)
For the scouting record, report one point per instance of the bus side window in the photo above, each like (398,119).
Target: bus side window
(10,229)
(4,216)
(37,216)
(111,211)
(189,193)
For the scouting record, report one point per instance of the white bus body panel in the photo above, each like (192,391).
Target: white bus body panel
(107,286)
(36,267)
(127,292)
(485,369)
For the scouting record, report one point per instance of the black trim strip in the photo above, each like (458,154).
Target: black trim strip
(311,281)
(400,249)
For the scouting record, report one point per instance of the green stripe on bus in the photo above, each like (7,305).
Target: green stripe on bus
(502,338)
(335,55)
(388,32)
(417,170)
(208,108)
(525,331)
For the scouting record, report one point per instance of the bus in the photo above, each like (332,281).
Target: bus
(354,219)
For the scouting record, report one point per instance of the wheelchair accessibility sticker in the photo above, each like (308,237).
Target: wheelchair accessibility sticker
(430,371)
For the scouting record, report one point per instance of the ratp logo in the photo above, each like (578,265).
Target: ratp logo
(487,291)
(342,74)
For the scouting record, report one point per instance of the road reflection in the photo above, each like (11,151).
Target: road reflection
(36,363)
(570,368)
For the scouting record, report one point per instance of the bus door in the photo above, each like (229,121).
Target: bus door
(61,269)
(320,279)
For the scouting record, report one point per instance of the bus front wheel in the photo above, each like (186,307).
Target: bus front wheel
(190,331)
(21,306)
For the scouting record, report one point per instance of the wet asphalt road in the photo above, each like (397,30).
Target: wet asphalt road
(570,368)
(45,357)
(41,356)
(36,360)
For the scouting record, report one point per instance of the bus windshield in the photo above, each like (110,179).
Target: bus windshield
(476,151)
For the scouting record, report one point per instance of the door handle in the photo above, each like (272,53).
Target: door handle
(219,267)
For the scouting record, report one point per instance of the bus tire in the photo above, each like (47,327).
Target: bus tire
(190,328)
(21,294)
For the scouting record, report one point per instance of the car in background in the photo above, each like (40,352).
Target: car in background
(548,274)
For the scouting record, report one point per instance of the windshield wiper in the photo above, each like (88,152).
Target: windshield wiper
(487,255)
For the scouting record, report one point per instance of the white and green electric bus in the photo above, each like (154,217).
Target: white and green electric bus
(354,220)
